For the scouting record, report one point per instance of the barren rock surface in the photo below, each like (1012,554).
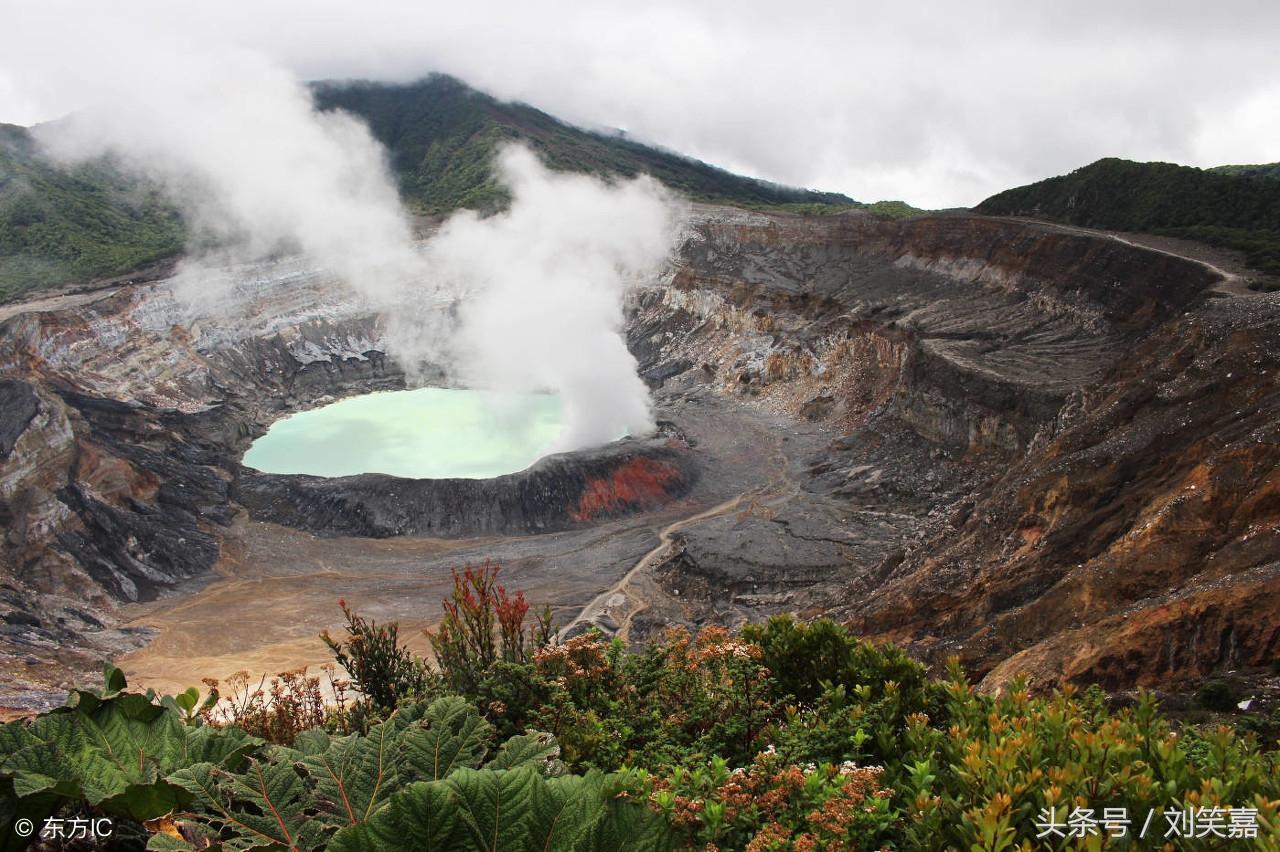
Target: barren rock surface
(1044,450)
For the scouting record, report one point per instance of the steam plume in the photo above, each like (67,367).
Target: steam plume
(255,168)
(544,283)
(258,170)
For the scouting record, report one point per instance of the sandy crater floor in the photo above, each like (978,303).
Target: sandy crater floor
(277,588)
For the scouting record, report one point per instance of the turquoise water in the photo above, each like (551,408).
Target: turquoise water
(428,433)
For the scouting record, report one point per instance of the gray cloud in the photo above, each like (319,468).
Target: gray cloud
(938,103)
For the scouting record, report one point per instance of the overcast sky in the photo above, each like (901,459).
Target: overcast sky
(940,104)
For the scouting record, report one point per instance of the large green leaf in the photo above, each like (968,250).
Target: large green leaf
(263,807)
(14,737)
(112,750)
(449,736)
(227,747)
(311,741)
(114,758)
(509,810)
(127,755)
(42,758)
(503,806)
(36,808)
(537,749)
(168,843)
(569,812)
(132,744)
(355,774)
(424,817)
(627,826)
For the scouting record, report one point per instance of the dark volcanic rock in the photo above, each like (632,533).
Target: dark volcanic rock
(555,493)
(1070,439)
(152,442)
(1140,544)
(135,552)
(1044,450)
(18,406)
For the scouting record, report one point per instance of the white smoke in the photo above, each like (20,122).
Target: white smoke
(544,283)
(258,170)
(255,168)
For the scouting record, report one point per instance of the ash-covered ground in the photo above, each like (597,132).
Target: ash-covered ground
(1042,449)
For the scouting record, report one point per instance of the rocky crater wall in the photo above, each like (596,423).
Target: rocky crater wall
(554,494)
(973,331)
(1046,448)
(1068,440)
(125,415)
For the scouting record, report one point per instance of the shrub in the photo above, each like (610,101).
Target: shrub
(277,712)
(694,741)
(805,656)
(1003,762)
(483,646)
(483,625)
(584,698)
(695,697)
(381,670)
(1216,695)
(851,697)
(773,805)
(1265,728)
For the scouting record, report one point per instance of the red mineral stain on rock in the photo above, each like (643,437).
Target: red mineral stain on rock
(637,483)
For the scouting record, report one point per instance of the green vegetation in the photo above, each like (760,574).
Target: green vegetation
(63,226)
(1267,170)
(68,225)
(1216,695)
(441,136)
(1234,207)
(786,736)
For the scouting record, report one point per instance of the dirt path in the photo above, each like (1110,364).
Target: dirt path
(627,598)
(57,302)
(1230,283)
(616,596)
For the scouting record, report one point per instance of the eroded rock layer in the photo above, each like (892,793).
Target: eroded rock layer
(1070,442)
(125,415)
(1043,450)
(555,493)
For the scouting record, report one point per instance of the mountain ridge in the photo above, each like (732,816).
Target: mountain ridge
(63,226)
(1232,207)
(1267,170)
(425,126)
